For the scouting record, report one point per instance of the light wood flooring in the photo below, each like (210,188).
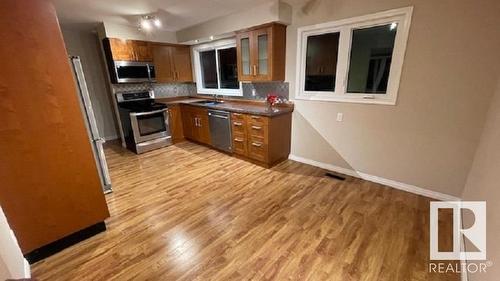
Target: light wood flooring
(187,212)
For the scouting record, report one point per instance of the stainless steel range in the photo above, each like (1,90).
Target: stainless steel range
(145,123)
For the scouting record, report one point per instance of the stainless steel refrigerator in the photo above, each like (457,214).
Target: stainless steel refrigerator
(95,139)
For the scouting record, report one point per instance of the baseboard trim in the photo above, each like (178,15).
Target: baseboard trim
(63,243)
(391,183)
(27,270)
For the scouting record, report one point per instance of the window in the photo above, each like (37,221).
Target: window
(321,62)
(209,70)
(353,60)
(216,69)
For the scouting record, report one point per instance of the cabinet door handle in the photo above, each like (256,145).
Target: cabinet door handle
(238,140)
(254,70)
(237,123)
(257,144)
(256,127)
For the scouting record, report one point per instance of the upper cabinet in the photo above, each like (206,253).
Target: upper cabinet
(261,53)
(142,50)
(172,62)
(128,50)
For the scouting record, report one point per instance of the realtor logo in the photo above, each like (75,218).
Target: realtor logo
(476,234)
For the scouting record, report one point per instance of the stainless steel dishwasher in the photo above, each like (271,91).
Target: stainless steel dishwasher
(220,129)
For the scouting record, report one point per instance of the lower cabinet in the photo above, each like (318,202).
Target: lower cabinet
(195,123)
(263,139)
(175,123)
(260,139)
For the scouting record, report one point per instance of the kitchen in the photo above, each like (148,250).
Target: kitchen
(234,140)
(256,130)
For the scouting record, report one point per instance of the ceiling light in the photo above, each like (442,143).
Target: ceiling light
(157,22)
(393,26)
(196,41)
(146,24)
(212,37)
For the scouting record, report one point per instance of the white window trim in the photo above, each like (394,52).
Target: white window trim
(217,45)
(402,16)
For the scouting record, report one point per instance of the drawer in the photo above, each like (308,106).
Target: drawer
(238,126)
(237,116)
(257,130)
(257,149)
(257,120)
(240,144)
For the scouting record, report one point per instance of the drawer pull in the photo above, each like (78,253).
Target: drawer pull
(256,127)
(237,123)
(238,140)
(237,114)
(257,144)
(255,117)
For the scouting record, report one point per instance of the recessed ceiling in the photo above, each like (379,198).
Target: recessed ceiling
(174,14)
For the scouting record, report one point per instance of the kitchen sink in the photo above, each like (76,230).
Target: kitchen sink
(209,102)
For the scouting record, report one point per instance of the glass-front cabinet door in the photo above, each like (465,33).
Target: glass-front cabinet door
(245,64)
(261,53)
(262,50)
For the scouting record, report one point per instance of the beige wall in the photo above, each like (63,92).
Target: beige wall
(113,30)
(225,26)
(483,184)
(449,75)
(85,44)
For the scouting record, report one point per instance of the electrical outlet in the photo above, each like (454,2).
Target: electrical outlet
(340,117)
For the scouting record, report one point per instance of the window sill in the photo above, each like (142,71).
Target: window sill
(234,93)
(346,100)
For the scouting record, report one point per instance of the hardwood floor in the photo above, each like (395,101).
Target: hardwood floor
(187,212)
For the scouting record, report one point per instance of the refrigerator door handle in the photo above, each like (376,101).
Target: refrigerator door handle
(102,159)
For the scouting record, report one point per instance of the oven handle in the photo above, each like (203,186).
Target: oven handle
(147,113)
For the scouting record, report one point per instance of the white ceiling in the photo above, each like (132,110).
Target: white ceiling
(174,14)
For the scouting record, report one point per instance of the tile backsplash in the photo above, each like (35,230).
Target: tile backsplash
(261,90)
(161,90)
(253,91)
(174,90)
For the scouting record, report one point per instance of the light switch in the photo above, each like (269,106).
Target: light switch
(340,117)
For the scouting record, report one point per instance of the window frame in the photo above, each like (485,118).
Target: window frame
(346,26)
(217,45)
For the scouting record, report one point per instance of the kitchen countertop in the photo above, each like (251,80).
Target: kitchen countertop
(249,107)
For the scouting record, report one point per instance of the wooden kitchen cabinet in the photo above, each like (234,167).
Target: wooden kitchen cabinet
(175,122)
(261,53)
(239,134)
(265,140)
(172,63)
(181,56)
(128,50)
(141,50)
(195,123)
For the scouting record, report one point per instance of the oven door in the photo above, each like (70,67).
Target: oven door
(133,72)
(150,125)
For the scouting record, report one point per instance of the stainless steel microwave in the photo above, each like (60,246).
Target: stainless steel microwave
(133,72)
